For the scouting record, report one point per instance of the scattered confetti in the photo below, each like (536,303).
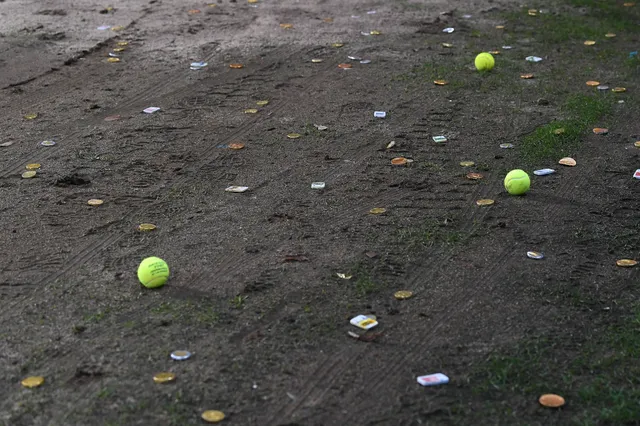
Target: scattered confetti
(212,416)
(32,381)
(535,255)
(403,294)
(433,379)
(238,189)
(164,377)
(543,172)
(113,60)
(364,322)
(567,161)
(180,355)
(551,400)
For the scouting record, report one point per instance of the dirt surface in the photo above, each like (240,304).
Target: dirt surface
(254,292)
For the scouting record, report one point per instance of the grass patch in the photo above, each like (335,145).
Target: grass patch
(597,372)
(431,232)
(583,111)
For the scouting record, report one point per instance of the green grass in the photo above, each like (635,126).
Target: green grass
(430,233)
(583,113)
(597,371)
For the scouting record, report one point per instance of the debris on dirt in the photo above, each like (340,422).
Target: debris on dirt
(363,322)
(344,276)
(180,355)
(95,202)
(164,377)
(251,111)
(28,175)
(592,83)
(535,255)
(474,176)
(33,166)
(146,227)
(636,174)
(212,416)
(319,127)
(440,82)
(32,381)
(551,400)
(448,30)
(379,114)
(371,254)
(439,139)
(567,161)
(103,27)
(485,202)
(198,65)
(262,103)
(31,116)
(433,379)
(378,210)
(5,144)
(506,145)
(626,263)
(467,163)
(150,110)
(317,185)
(403,294)
(533,58)
(238,189)
(236,66)
(600,131)
(345,66)
(294,135)
(543,172)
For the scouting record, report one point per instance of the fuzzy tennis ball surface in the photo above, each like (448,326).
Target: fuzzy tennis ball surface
(517,182)
(485,62)
(153,272)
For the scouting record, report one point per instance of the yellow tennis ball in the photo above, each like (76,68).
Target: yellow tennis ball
(153,272)
(517,182)
(485,62)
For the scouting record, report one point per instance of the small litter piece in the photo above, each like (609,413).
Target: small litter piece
(363,322)
(365,61)
(618,90)
(506,145)
(262,103)
(113,60)
(551,400)
(379,114)
(5,144)
(198,65)
(32,381)
(567,161)
(95,202)
(251,111)
(433,379)
(535,255)
(319,127)
(150,110)
(626,263)
(345,66)
(439,139)
(636,174)
(103,27)
(467,163)
(528,76)
(507,47)
(543,172)
(212,416)
(33,166)
(146,227)
(317,61)
(589,42)
(403,294)
(29,174)
(294,135)
(164,377)
(236,188)
(600,131)
(448,30)
(378,210)
(180,355)
(344,276)
(485,202)
(235,146)
(533,58)
(399,161)
(236,66)
(317,185)
(391,144)
(602,87)
(47,143)
(474,176)
(440,82)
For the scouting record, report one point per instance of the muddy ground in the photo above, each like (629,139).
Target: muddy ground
(254,292)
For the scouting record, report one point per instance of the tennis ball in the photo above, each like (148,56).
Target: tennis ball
(517,182)
(153,272)
(485,62)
